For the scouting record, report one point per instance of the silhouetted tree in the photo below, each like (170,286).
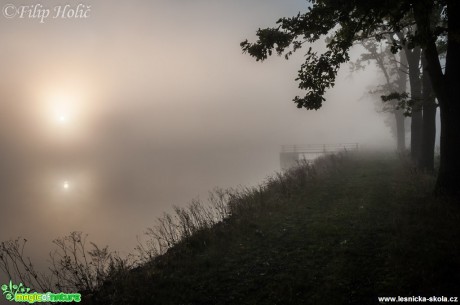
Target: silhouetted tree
(351,20)
(413,61)
(423,124)
(394,70)
(426,161)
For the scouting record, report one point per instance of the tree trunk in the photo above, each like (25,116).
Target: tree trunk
(448,182)
(400,130)
(429,122)
(449,172)
(413,60)
(399,113)
(447,90)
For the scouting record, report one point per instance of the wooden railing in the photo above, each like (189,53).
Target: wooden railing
(319,148)
(290,155)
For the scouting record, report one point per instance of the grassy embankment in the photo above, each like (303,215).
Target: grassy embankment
(350,230)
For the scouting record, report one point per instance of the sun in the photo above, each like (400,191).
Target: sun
(65,185)
(63,107)
(62,118)
(64,111)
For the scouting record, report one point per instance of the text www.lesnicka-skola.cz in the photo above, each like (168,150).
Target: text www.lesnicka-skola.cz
(418,299)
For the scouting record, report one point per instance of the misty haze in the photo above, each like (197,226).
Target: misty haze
(112,114)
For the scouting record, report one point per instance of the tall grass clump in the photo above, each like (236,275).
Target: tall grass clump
(73,265)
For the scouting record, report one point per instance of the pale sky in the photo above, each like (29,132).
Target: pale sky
(106,122)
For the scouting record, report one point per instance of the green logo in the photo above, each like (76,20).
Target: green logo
(11,290)
(20,294)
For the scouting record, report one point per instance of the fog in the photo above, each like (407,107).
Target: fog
(159,106)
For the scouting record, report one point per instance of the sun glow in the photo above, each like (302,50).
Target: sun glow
(64,110)
(62,118)
(63,107)
(66,101)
